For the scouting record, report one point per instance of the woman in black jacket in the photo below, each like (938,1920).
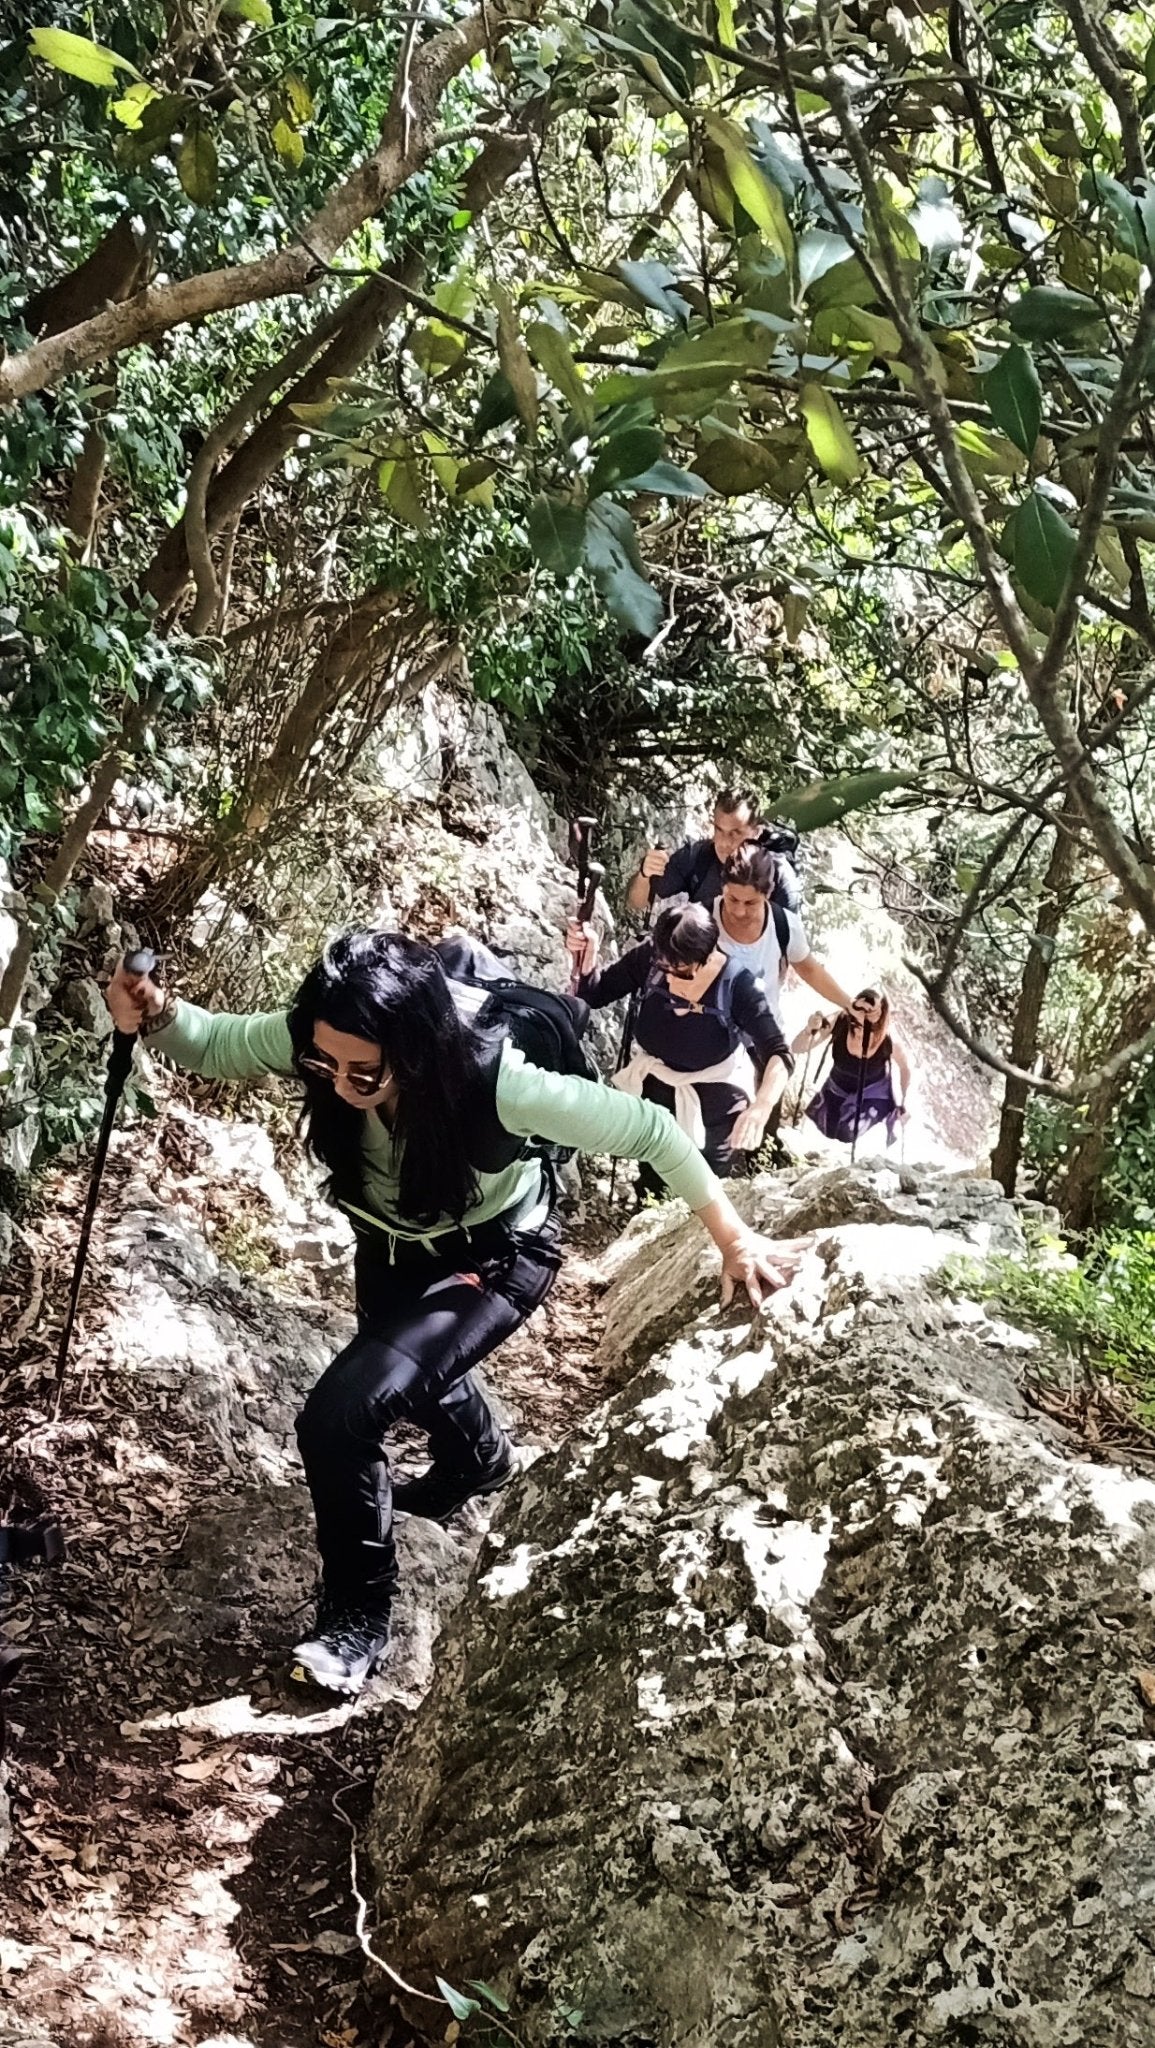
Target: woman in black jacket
(698,1015)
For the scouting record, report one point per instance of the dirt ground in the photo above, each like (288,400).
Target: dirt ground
(184,1826)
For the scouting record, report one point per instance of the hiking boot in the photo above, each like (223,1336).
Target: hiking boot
(436,1496)
(349,1644)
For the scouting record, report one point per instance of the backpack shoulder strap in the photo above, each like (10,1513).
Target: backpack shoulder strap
(781,928)
(700,869)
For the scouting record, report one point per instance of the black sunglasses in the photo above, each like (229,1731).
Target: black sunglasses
(361,1083)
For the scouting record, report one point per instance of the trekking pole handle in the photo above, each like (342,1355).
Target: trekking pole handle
(596,875)
(120,1058)
(581,837)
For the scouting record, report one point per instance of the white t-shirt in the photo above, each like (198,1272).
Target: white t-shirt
(763,956)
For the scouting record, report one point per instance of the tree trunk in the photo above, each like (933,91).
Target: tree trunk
(56,880)
(382,639)
(1053,902)
(1080,1197)
(363,320)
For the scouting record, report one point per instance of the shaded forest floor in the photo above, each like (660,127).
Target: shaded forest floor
(182,1818)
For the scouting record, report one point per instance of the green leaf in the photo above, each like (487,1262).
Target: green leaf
(828,435)
(1040,547)
(733,464)
(737,343)
(842,284)
(299,97)
(614,560)
(257,11)
(557,533)
(652,283)
(666,480)
(459,2005)
(514,359)
(1121,208)
(824,803)
(288,145)
(626,455)
(487,1991)
(551,349)
(1049,312)
(1015,396)
(752,188)
(495,407)
(129,109)
(196,166)
(987,454)
(78,57)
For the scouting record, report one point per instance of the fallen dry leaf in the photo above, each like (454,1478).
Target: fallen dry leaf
(1145,1680)
(197,1772)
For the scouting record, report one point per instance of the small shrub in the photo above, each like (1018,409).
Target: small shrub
(1101,1306)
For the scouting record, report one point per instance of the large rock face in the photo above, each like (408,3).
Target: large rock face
(794,1701)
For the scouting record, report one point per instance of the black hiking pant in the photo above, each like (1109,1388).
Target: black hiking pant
(720,1103)
(425,1322)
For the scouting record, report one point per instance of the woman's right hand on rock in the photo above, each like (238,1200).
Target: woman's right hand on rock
(581,942)
(132,998)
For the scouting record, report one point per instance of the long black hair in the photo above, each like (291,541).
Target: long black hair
(392,991)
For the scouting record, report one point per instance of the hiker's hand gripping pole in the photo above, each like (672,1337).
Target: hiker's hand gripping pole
(138,968)
(586,953)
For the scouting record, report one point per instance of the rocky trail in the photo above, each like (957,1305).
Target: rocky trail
(178,1816)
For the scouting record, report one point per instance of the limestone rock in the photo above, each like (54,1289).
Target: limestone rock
(794,1701)
(97,910)
(82,1003)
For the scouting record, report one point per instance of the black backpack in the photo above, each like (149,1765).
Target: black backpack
(547,1028)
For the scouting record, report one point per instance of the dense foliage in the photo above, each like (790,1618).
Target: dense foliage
(765,383)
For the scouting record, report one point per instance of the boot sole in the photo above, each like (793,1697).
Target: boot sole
(348,1688)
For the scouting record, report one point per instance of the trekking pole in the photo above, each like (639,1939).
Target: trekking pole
(627,1045)
(858,1100)
(581,835)
(119,1067)
(594,876)
(797,1116)
(581,839)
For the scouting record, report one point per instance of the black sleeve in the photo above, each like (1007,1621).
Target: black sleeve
(622,977)
(679,868)
(757,1022)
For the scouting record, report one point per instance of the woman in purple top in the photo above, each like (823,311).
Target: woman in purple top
(865,1056)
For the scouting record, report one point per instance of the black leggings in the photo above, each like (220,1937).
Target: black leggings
(424,1323)
(721,1104)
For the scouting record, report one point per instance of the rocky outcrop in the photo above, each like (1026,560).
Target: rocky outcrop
(795,1700)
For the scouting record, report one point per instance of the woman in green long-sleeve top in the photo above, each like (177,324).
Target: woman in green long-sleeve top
(420,1119)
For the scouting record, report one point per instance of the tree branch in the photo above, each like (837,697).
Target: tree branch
(1103,57)
(1041,683)
(1077,1089)
(358,324)
(405,142)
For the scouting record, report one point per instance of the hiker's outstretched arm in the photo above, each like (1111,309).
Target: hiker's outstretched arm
(567,1111)
(901,1058)
(225,1047)
(822,981)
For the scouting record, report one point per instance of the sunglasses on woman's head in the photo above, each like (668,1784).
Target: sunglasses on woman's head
(362,1080)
